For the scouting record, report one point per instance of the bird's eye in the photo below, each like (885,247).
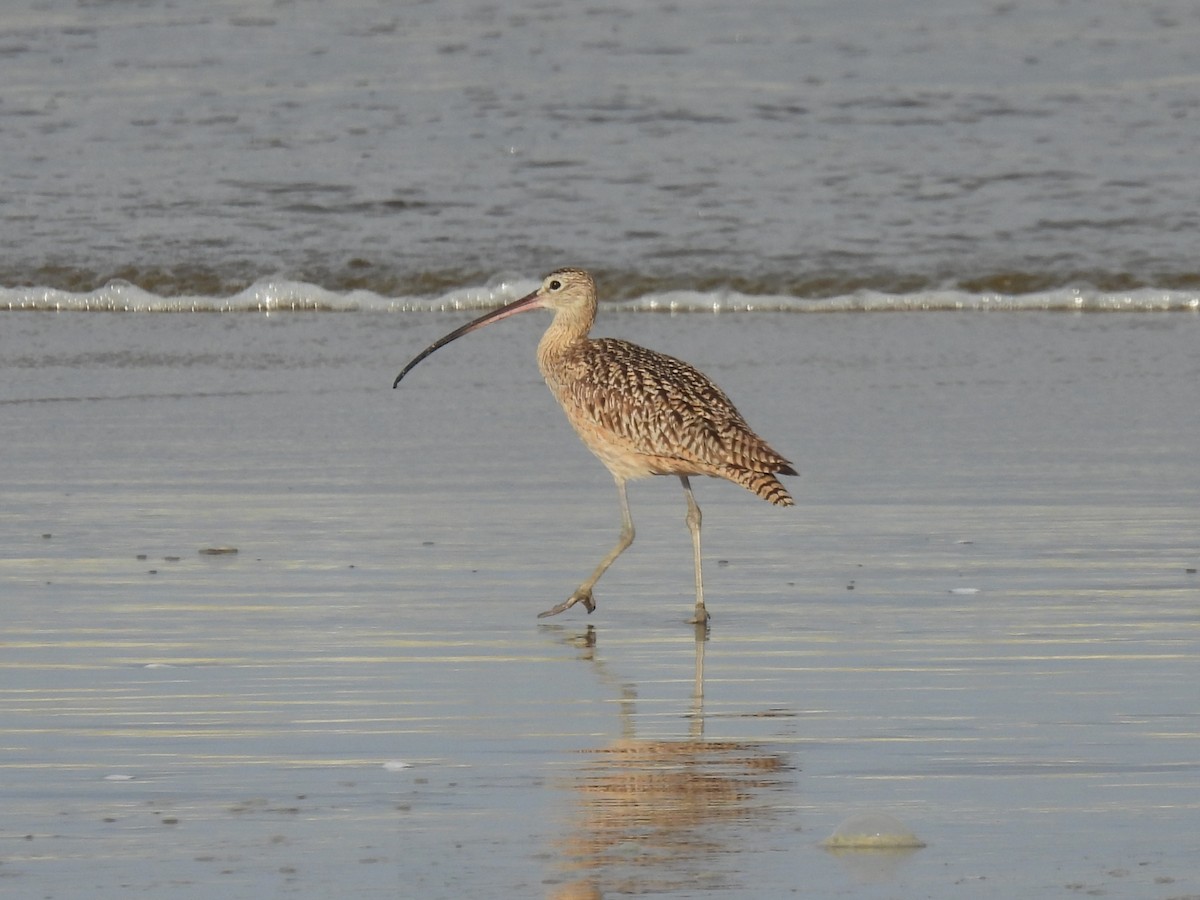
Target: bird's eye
(555,285)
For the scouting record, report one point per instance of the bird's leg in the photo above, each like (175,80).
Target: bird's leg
(693,523)
(583,593)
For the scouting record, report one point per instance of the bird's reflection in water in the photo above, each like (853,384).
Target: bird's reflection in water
(660,815)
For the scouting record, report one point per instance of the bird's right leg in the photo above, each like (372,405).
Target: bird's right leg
(701,616)
(583,593)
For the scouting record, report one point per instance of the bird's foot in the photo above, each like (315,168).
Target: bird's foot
(583,595)
(700,617)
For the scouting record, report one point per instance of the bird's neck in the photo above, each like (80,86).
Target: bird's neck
(569,329)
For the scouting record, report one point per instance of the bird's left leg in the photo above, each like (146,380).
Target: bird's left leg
(583,593)
(693,524)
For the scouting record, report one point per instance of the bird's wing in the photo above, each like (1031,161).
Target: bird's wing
(662,407)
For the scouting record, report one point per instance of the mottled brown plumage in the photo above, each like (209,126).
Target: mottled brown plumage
(641,412)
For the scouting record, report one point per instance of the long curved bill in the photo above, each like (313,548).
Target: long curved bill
(529,301)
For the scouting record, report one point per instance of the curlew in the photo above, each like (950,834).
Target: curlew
(641,412)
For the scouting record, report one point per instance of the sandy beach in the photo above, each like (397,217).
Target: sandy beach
(981,617)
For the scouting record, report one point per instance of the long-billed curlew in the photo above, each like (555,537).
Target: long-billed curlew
(641,412)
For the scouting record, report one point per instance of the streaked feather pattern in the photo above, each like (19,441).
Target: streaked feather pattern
(647,413)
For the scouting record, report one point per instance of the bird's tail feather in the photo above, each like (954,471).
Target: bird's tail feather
(764,484)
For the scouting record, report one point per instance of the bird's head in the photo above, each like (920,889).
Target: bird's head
(566,289)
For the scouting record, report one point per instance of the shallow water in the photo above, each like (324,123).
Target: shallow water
(981,617)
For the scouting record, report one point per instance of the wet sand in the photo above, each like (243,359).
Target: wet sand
(982,617)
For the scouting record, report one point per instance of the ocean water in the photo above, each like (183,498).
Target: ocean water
(796,151)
